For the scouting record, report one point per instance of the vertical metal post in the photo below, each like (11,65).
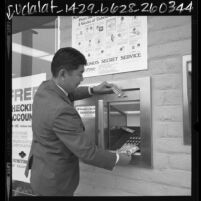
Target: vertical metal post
(101,140)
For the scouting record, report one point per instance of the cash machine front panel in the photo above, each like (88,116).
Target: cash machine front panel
(121,123)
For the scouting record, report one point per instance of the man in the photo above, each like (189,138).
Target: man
(59,140)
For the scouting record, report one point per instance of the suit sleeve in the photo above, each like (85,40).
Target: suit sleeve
(68,127)
(79,93)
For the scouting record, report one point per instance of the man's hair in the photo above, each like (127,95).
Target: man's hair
(68,58)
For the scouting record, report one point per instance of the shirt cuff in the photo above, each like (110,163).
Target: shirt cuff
(90,91)
(117,158)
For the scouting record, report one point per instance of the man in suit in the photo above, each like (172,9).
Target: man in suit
(59,140)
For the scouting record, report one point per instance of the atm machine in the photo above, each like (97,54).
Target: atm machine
(120,122)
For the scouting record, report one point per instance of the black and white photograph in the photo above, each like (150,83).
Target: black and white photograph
(101,105)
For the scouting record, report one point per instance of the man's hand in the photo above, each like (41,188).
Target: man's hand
(103,88)
(124,159)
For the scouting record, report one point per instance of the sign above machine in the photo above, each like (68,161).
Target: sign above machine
(111,44)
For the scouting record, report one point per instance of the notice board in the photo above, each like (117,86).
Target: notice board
(111,44)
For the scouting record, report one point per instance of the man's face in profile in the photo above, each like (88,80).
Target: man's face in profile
(73,78)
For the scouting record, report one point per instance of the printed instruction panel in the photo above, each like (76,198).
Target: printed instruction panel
(111,44)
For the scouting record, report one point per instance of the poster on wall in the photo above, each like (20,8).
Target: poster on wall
(111,44)
(23,90)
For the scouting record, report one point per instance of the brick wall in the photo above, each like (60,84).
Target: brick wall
(169,38)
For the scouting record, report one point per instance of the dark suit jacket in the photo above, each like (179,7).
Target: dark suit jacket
(59,141)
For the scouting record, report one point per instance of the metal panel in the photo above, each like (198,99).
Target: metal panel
(137,91)
(187,99)
(100,125)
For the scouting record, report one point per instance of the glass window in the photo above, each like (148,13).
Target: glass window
(33,48)
(34,42)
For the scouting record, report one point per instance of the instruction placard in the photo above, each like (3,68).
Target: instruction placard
(86,111)
(111,44)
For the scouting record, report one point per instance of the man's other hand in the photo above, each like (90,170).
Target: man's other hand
(103,88)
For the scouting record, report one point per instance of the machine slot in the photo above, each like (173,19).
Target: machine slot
(124,126)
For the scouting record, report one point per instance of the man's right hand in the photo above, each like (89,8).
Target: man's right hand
(124,159)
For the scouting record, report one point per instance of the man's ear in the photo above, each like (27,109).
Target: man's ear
(61,74)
